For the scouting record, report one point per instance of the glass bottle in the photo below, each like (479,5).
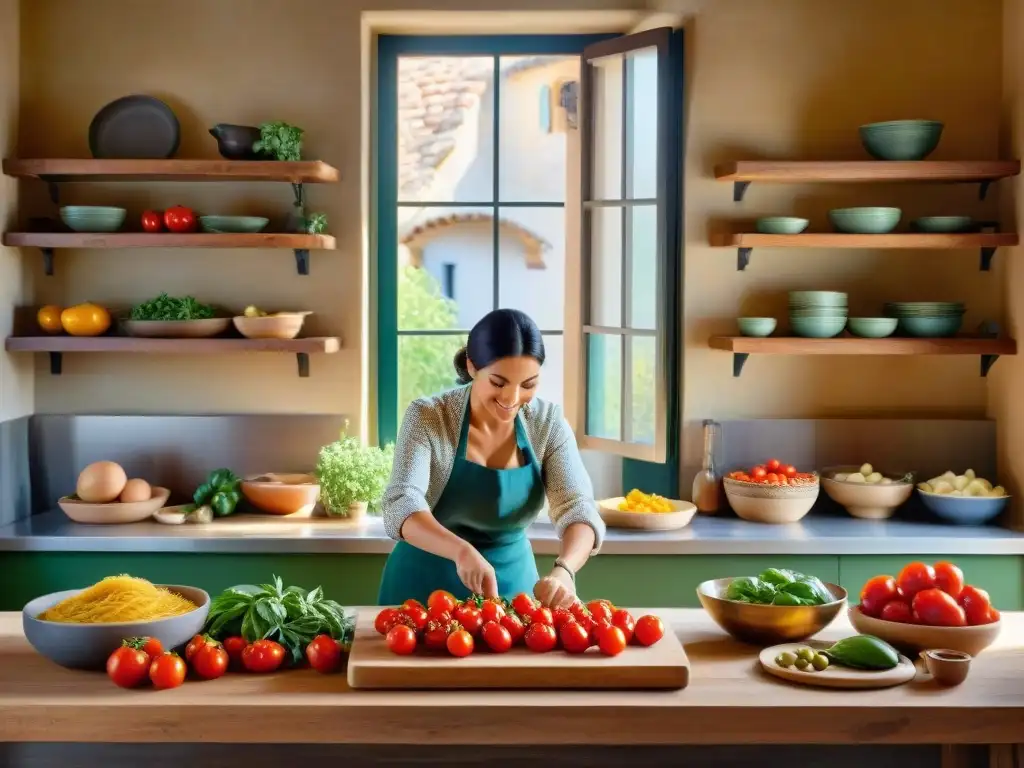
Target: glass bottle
(706,490)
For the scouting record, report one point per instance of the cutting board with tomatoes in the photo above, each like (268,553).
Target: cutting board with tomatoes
(371,665)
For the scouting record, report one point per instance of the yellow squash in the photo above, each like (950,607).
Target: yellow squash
(85,320)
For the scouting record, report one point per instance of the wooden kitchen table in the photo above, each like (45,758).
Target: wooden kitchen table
(729,701)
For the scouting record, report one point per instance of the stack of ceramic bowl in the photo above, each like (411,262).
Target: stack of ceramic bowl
(92,218)
(927,319)
(817,314)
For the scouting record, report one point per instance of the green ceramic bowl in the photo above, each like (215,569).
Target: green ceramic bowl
(233,224)
(807,299)
(865,221)
(930,327)
(756,326)
(943,224)
(872,327)
(820,312)
(781,225)
(901,139)
(92,218)
(817,327)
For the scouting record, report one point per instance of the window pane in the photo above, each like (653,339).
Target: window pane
(552,378)
(531,136)
(605,267)
(604,386)
(532,265)
(607,153)
(445,267)
(425,366)
(642,124)
(445,128)
(642,382)
(643,238)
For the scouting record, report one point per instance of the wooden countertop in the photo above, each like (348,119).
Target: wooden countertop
(728,701)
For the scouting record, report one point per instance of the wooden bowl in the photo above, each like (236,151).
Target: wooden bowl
(872,501)
(772,504)
(680,516)
(284,325)
(282,494)
(913,638)
(116,512)
(176,329)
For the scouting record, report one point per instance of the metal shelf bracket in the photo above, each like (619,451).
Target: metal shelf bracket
(743,258)
(983,189)
(302,261)
(303,360)
(739,359)
(986,258)
(47,260)
(987,361)
(56,363)
(739,189)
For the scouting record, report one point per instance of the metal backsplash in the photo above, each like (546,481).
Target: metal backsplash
(15,494)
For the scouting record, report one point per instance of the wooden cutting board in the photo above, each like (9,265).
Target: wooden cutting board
(371,665)
(835,676)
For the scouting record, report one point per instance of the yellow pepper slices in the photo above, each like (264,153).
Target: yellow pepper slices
(638,501)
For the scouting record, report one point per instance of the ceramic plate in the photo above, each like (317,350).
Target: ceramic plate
(135,128)
(835,676)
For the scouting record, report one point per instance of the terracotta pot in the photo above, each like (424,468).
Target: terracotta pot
(282,494)
(357,511)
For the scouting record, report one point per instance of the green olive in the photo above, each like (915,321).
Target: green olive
(802,663)
(819,662)
(807,654)
(785,659)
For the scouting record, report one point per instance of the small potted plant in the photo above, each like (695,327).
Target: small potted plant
(353,477)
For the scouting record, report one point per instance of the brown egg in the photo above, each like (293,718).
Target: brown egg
(136,489)
(101,482)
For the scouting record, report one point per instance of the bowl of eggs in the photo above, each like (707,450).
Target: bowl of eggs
(646,511)
(963,499)
(105,495)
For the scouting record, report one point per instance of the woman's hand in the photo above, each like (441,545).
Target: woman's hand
(556,590)
(475,572)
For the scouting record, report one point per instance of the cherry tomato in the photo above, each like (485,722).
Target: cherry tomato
(264,656)
(469,616)
(152,221)
(178,218)
(522,604)
(196,643)
(411,603)
(542,615)
(788,470)
(234,646)
(878,591)
(771,478)
(579,611)
(324,653)
(623,619)
(873,608)
(167,671)
(758,474)
(150,646)
(460,643)
(772,465)
(610,640)
(498,638)
(515,627)
(541,638)
(128,666)
(897,610)
(949,578)
(914,578)
(600,610)
(210,661)
(436,636)
(649,630)
(935,607)
(441,601)
(491,611)
(977,606)
(401,640)
(560,616)
(416,614)
(438,616)
(386,619)
(575,638)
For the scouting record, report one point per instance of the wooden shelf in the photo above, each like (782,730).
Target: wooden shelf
(986,242)
(88,169)
(989,349)
(56,346)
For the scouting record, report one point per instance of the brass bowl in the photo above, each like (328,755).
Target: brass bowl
(766,625)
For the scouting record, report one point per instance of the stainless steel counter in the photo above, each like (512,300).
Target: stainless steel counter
(816,535)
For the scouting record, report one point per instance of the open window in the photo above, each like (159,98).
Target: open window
(629,248)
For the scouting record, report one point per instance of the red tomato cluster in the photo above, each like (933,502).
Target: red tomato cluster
(178,219)
(774,472)
(925,594)
(461,627)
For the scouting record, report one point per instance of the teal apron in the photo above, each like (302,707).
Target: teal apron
(489,508)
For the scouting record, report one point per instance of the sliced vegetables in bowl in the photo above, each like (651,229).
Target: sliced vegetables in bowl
(963,499)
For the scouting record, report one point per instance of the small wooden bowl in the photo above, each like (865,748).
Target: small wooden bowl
(116,512)
(284,325)
(913,638)
(947,667)
(679,517)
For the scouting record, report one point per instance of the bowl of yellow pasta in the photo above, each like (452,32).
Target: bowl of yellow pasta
(645,511)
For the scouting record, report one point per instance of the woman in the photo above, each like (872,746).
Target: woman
(472,468)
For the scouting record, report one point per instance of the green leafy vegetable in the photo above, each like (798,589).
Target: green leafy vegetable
(165,307)
(863,652)
(221,491)
(282,140)
(291,616)
(750,589)
(779,586)
(787,598)
(350,472)
(316,223)
(778,576)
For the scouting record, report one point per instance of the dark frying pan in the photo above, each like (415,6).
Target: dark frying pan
(134,127)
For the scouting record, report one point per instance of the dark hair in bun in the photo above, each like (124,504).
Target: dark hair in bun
(499,334)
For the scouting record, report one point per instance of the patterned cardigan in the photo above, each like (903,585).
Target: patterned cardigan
(425,456)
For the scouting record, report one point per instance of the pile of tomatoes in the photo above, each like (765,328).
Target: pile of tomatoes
(459,627)
(143,658)
(774,472)
(924,594)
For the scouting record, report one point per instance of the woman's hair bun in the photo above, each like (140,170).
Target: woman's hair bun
(461,362)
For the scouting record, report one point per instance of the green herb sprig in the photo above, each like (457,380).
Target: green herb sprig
(316,223)
(282,140)
(289,615)
(165,307)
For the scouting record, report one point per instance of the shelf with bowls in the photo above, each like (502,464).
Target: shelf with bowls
(986,242)
(47,242)
(987,348)
(742,173)
(56,346)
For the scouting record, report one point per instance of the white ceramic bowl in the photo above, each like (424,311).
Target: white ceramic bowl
(868,501)
(680,516)
(772,504)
